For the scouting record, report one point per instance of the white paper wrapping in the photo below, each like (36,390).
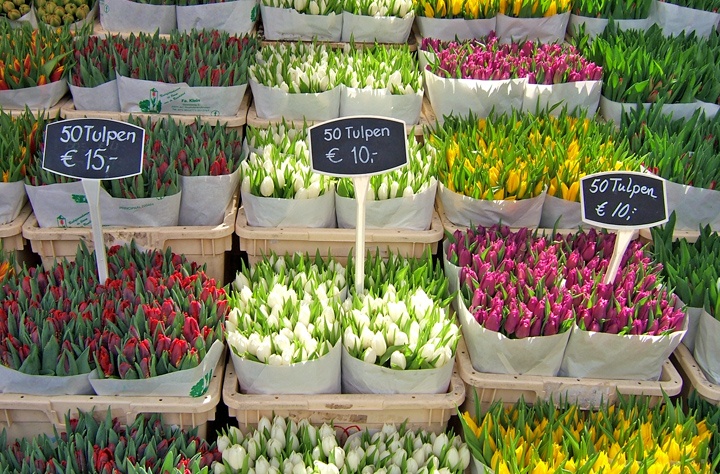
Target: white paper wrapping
(710,109)
(410,213)
(476,467)
(693,206)
(288,24)
(612,111)
(305,378)
(595,26)
(137,95)
(183,383)
(574,96)
(38,97)
(12,381)
(674,19)
(546,30)
(29,17)
(561,214)
(466,211)
(460,96)
(447,29)
(599,355)
(129,16)
(494,353)
(237,17)
(425,58)
(355,101)
(277,212)
(145,212)
(12,200)
(205,198)
(707,342)
(452,273)
(99,98)
(273,102)
(360,377)
(693,317)
(383,29)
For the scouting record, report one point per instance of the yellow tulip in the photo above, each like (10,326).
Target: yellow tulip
(513,182)
(499,194)
(573,194)
(472,9)
(552,10)
(429,12)
(6,176)
(503,6)
(541,467)
(440,9)
(493,175)
(456,7)
(516,7)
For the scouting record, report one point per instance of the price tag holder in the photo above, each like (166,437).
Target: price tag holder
(92,150)
(358,147)
(624,201)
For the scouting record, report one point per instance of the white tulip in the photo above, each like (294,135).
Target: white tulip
(394,188)
(235,456)
(245,186)
(262,465)
(369,356)
(223,442)
(326,431)
(382,192)
(219,468)
(275,360)
(264,350)
(401,339)
(439,444)
(379,345)
(398,361)
(253,342)
(267,187)
(366,337)
(314,190)
(302,193)
(300,5)
(411,466)
(274,448)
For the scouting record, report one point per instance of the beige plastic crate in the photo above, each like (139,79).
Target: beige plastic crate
(68,111)
(32,415)
(338,243)
(202,244)
(348,412)
(694,376)
(13,240)
(427,118)
(587,393)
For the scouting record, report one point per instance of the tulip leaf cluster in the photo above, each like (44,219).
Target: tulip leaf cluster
(519,155)
(285,310)
(418,175)
(709,52)
(691,267)
(466,9)
(33,57)
(299,68)
(548,437)
(104,445)
(286,445)
(488,58)
(200,58)
(646,66)
(683,150)
(616,9)
(380,8)
(19,141)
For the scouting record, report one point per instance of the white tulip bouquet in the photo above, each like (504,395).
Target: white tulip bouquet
(296,67)
(397,8)
(380,68)
(309,7)
(282,135)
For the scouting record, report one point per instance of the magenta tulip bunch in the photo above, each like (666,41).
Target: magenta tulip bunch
(560,63)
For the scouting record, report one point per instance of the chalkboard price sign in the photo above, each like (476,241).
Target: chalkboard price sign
(358,146)
(93,148)
(623,199)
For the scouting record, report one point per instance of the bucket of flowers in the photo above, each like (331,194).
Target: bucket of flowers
(236,17)
(590,17)
(536,20)
(689,16)
(283,326)
(456,20)
(384,21)
(302,19)
(147,16)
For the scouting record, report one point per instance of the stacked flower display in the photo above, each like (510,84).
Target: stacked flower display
(500,168)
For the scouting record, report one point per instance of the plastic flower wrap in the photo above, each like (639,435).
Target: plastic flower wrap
(467,9)
(533,8)
(310,7)
(518,156)
(297,67)
(617,9)
(287,176)
(284,310)
(417,176)
(629,437)
(397,8)
(391,69)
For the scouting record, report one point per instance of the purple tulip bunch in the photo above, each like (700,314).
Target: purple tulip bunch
(560,63)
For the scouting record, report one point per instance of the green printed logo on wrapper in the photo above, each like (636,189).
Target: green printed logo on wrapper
(79,198)
(202,385)
(153,105)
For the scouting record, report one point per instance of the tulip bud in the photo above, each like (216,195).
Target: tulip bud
(398,361)
(234,456)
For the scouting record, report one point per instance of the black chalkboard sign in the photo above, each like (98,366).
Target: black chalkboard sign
(357,146)
(93,148)
(623,199)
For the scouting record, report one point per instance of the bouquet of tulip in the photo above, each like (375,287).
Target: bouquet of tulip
(33,58)
(396,8)
(414,183)
(272,181)
(283,136)
(308,7)
(533,9)
(559,64)
(283,313)
(398,335)
(92,79)
(106,445)
(304,73)
(705,411)
(629,437)
(684,152)
(542,20)
(302,19)
(60,13)
(615,9)
(467,18)
(384,21)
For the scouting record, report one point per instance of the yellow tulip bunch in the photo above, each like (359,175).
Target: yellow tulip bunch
(467,9)
(533,8)
(629,438)
(518,156)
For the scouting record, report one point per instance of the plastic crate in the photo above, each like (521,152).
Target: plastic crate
(694,376)
(587,393)
(338,243)
(348,412)
(68,111)
(13,241)
(32,415)
(202,244)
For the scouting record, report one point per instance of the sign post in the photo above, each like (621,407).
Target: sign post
(624,201)
(358,147)
(92,150)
